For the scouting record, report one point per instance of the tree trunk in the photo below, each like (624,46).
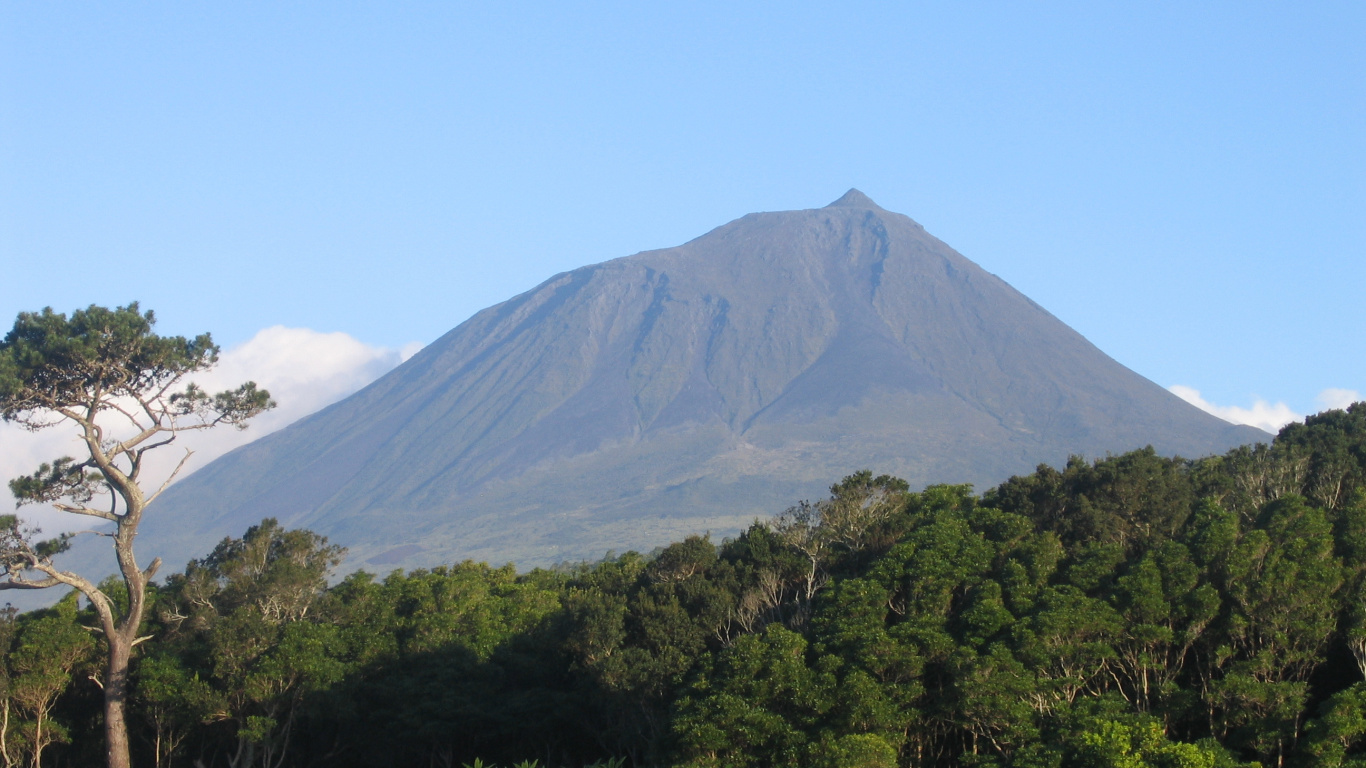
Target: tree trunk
(4,735)
(115,702)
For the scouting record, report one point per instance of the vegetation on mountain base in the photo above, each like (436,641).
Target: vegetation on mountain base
(1129,612)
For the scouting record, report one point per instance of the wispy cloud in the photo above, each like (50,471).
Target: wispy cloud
(304,370)
(1337,398)
(1264,415)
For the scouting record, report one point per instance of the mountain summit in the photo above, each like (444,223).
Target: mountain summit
(855,199)
(676,391)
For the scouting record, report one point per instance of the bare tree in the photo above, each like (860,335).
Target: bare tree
(858,504)
(799,527)
(124,390)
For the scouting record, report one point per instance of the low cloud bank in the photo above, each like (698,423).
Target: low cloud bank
(1264,415)
(305,370)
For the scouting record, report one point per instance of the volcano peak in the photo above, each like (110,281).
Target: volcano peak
(854,199)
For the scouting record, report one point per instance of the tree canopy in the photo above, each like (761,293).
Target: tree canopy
(1134,611)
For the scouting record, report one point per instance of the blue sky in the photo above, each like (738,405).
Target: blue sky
(1185,184)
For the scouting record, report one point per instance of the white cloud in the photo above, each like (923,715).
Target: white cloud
(1262,415)
(304,370)
(1337,398)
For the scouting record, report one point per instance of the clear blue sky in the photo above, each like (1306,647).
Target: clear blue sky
(1183,183)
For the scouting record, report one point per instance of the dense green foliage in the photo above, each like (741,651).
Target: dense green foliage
(1128,612)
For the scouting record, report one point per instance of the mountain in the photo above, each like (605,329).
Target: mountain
(629,403)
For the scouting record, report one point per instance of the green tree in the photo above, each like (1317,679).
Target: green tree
(1337,738)
(1279,582)
(47,650)
(1117,744)
(174,700)
(1067,642)
(248,601)
(1166,610)
(1350,530)
(448,664)
(756,705)
(124,389)
(1333,445)
(1103,733)
(855,750)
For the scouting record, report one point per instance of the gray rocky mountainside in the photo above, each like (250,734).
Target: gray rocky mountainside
(629,403)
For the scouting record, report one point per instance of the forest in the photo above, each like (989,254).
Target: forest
(1124,612)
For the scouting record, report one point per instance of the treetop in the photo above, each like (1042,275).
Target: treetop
(49,361)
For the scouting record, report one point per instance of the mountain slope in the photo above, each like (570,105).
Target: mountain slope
(627,403)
